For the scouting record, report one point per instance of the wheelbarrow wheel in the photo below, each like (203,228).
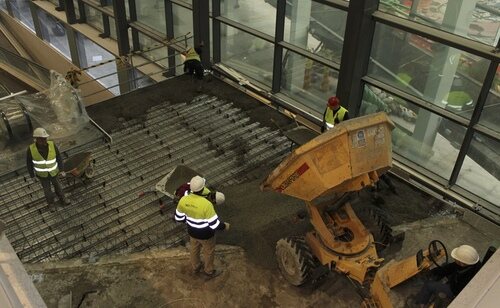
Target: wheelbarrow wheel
(89,172)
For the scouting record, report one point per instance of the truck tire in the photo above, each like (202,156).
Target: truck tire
(295,259)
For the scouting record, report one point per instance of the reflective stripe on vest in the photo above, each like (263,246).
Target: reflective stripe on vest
(330,117)
(197,212)
(192,55)
(43,167)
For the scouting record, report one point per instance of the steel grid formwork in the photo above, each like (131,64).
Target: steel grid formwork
(110,213)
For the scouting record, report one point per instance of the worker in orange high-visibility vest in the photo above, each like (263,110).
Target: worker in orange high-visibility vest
(44,161)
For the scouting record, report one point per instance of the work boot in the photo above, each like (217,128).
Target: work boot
(197,270)
(213,274)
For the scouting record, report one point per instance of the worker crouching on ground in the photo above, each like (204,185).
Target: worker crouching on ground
(202,222)
(458,275)
(44,160)
(192,64)
(334,114)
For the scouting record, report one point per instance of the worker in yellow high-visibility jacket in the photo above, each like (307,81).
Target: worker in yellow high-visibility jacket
(334,114)
(202,222)
(192,61)
(44,161)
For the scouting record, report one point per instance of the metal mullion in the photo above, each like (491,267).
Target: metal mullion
(481,128)
(338,4)
(81,10)
(169,21)
(247,29)
(278,49)
(216,31)
(73,45)
(96,6)
(437,35)
(310,55)
(36,20)
(476,115)
(69,9)
(121,25)
(416,100)
(106,28)
(183,4)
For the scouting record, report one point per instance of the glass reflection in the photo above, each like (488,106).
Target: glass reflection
(247,54)
(480,173)
(475,19)
(316,27)
(444,76)
(54,32)
(152,14)
(309,81)
(420,136)
(490,115)
(257,14)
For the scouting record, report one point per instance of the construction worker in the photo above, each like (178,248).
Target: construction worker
(215,197)
(458,275)
(334,114)
(44,161)
(192,61)
(202,222)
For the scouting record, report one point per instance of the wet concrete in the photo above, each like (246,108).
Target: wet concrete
(258,219)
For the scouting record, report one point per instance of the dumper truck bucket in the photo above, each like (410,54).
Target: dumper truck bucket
(176,177)
(338,160)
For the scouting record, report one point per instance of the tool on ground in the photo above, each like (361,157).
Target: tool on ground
(323,172)
(79,167)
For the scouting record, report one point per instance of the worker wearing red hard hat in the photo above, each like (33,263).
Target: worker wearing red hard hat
(334,114)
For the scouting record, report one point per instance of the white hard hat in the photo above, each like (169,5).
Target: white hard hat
(197,184)
(40,133)
(465,254)
(219,198)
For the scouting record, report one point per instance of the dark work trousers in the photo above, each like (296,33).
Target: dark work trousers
(194,67)
(49,195)
(432,288)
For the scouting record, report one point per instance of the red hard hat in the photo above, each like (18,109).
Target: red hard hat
(333,102)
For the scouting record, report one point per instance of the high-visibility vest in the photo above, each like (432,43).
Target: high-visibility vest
(43,167)
(332,119)
(197,212)
(191,54)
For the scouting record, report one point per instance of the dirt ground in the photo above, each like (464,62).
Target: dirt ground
(258,219)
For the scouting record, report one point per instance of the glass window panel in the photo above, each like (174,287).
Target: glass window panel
(107,2)
(21,11)
(94,18)
(480,173)
(3,5)
(152,14)
(159,55)
(54,32)
(247,54)
(444,76)
(112,28)
(490,115)
(190,2)
(183,22)
(56,2)
(420,136)
(92,54)
(477,20)
(308,81)
(316,27)
(257,14)
(141,80)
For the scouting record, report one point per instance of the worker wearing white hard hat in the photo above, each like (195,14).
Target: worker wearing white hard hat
(458,275)
(197,211)
(44,162)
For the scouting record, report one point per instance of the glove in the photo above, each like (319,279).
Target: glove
(62,173)
(228,226)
